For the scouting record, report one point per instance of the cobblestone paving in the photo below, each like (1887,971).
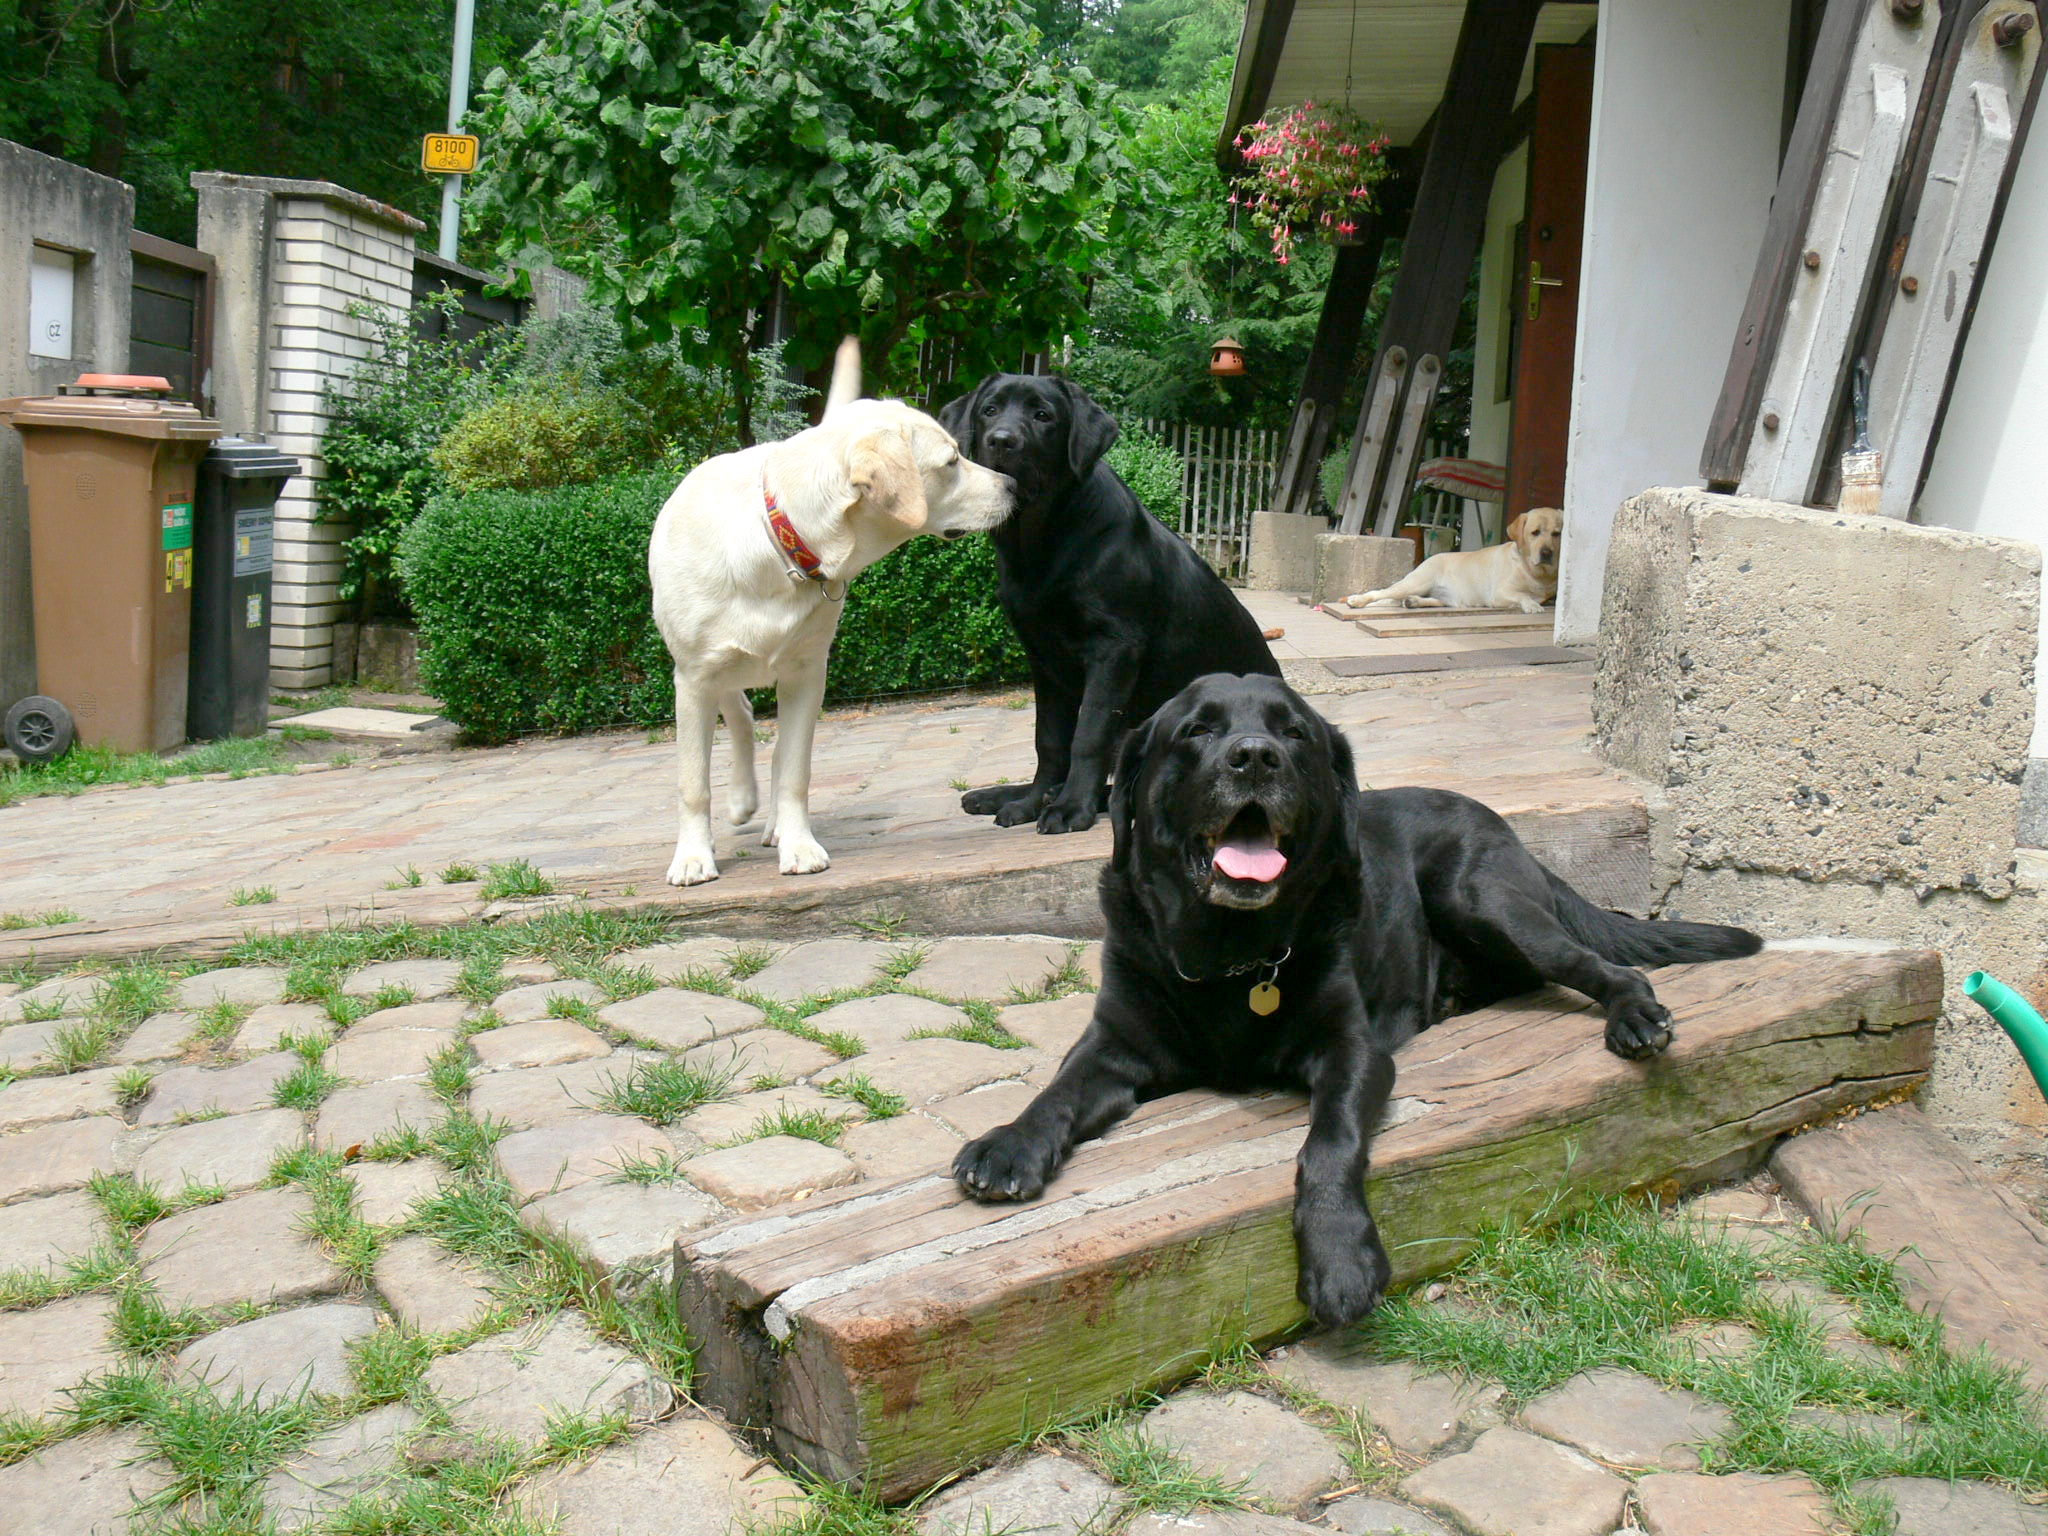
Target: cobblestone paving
(226,1302)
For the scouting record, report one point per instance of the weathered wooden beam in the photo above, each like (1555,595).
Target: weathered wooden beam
(1781,259)
(1470,129)
(897,1337)
(1352,276)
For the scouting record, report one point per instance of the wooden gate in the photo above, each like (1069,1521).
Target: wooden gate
(170,315)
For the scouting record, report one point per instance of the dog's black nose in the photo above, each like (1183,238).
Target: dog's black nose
(1002,439)
(1254,754)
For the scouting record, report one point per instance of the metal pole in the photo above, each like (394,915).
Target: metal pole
(458,103)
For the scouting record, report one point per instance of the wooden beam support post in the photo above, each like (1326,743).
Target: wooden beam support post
(1792,345)
(895,1337)
(1471,129)
(1345,302)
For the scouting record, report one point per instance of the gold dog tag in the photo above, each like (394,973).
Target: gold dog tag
(1265,998)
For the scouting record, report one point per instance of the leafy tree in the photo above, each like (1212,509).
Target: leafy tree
(1187,273)
(913,171)
(150,91)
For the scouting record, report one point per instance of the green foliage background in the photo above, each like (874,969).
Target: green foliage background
(911,171)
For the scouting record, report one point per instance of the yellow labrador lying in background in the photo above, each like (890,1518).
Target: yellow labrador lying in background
(1522,573)
(750,560)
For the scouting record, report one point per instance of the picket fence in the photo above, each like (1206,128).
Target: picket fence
(1226,475)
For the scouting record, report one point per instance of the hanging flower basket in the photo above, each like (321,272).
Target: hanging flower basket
(1312,172)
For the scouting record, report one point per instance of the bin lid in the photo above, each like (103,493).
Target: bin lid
(246,458)
(123,415)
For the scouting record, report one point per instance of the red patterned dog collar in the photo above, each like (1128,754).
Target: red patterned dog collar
(790,542)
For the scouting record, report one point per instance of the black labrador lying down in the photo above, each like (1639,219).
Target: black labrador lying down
(1269,925)
(1116,613)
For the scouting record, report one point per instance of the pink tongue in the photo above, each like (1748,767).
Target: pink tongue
(1241,863)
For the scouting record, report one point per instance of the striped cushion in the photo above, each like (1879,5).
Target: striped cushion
(1474,479)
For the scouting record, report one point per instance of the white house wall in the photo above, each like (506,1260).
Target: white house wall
(1688,104)
(1492,405)
(1989,473)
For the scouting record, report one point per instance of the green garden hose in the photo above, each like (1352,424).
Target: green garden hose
(2017,1018)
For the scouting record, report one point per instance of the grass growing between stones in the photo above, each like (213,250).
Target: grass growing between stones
(1153,1478)
(56,917)
(805,1124)
(475,1217)
(860,1089)
(1614,1285)
(515,878)
(84,768)
(219,1448)
(334,1221)
(664,1091)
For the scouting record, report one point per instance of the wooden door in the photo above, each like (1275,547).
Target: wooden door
(1547,283)
(170,315)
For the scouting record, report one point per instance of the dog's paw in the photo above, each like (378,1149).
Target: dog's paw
(1065,816)
(1341,1284)
(1638,1030)
(991,798)
(1019,811)
(741,808)
(1005,1164)
(1530,605)
(803,856)
(692,866)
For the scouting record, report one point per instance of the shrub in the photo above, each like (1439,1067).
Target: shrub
(534,607)
(1152,471)
(384,422)
(546,433)
(535,612)
(924,617)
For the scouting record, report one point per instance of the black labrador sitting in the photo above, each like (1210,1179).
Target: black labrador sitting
(1116,613)
(1269,925)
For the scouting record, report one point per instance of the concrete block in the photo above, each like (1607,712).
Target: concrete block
(1358,562)
(1827,697)
(1282,554)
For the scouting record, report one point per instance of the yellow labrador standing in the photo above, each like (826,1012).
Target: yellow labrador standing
(1522,573)
(750,559)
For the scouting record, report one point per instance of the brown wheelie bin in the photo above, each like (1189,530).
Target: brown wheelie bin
(109,463)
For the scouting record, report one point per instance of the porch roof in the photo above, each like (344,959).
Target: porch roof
(1397,54)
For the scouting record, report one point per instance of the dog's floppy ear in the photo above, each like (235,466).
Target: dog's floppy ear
(1516,528)
(1123,789)
(1342,763)
(962,418)
(885,477)
(1091,431)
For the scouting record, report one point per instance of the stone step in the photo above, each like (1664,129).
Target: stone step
(898,1337)
(1966,1249)
(964,876)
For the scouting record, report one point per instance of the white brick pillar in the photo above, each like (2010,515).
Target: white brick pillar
(294,257)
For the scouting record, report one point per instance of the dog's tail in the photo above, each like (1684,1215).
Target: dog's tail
(845,375)
(1625,940)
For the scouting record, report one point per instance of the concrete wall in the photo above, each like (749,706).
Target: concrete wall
(1989,473)
(50,202)
(295,258)
(1834,714)
(1687,108)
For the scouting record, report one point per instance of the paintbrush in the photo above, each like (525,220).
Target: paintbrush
(1862,465)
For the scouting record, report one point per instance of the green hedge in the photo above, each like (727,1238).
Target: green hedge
(534,608)
(535,613)
(925,617)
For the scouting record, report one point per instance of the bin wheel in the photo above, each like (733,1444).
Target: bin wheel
(39,730)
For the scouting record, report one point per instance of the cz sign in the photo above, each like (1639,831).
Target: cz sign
(452,153)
